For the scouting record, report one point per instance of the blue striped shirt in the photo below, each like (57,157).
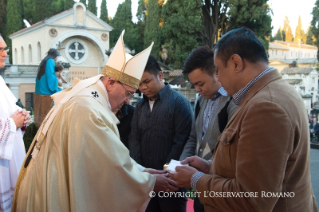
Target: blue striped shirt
(159,135)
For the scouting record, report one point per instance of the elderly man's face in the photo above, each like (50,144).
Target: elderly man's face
(3,53)
(120,95)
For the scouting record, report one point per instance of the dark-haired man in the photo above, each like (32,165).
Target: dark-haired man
(261,160)
(213,108)
(160,128)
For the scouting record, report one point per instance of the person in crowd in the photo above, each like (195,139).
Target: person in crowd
(58,73)
(160,128)
(125,116)
(77,161)
(12,151)
(263,153)
(213,108)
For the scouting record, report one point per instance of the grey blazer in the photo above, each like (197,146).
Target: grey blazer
(204,148)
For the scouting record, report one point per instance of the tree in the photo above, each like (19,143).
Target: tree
(92,6)
(141,19)
(300,33)
(310,37)
(123,20)
(315,24)
(181,28)
(253,14)
(84,2)
(3,17)
(42,9)
(152,30)
(103,13)
(278,35)
(29,10)
(287,30)
(68,4)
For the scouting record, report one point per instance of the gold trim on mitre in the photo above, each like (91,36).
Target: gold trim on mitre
(121,76)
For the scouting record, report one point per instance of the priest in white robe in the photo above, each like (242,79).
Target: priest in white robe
(12,151)
(77,161)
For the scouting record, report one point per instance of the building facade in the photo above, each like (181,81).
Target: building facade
(80,36)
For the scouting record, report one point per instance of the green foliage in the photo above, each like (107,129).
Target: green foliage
(68,4)
(84,2)
(300,33)
(42,9)
(278,35)
(181,29)
(310,37)
(92,6)
(141,19)
(103,13)
(58,6)
(123,20)
(29,10)
(315,25)
(152,29)
(253,14)
(3,17)
(29,134)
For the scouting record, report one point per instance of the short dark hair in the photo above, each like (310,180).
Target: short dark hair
(241,41)
(152,66)
(201,57)
(58,67)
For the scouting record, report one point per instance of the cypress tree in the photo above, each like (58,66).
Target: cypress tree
(181,29)
(287,29)
(42,9)
(3,17)
(141,19)
(152,30)
(68,4)
(315,25)
(278,35)
(29,10)
(92,6)
(103,13)
(84,2)
(300,33)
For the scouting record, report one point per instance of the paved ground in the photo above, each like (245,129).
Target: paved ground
(314,169)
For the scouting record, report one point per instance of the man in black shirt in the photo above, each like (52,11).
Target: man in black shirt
(160,128)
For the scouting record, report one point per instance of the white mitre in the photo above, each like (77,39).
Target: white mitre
(125,68)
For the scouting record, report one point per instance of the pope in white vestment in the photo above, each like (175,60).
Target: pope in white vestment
(12,151)
(77,161)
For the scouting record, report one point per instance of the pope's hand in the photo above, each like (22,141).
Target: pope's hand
(27,116)
(18,119)
(183,176)
(198,163)
(154,171)
(164,183)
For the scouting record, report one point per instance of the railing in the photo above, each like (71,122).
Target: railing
(27,68)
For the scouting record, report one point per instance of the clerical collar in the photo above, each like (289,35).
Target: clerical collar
(100,83)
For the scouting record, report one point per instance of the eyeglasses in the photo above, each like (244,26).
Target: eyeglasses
(128,94)
(6,49)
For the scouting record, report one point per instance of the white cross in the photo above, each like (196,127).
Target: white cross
(76,51)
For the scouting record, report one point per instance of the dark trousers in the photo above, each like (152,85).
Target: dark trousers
(198,206)
(167,204)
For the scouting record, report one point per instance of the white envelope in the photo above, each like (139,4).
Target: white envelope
(172,165)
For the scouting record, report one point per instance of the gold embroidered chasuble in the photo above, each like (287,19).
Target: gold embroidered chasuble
(82,165)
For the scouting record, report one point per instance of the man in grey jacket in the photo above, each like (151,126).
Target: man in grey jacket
(213,108)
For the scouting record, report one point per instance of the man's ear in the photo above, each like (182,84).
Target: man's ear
(109,84)
(160,75)
(237,62)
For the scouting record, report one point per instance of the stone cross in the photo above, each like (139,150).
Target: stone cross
(76,50)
